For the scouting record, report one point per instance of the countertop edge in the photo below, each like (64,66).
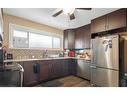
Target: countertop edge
(22,60)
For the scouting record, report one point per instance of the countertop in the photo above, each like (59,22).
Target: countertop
(21,60)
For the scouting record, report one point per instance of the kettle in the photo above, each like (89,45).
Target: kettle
(71,54)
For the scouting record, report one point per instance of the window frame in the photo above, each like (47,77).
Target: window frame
(36,31)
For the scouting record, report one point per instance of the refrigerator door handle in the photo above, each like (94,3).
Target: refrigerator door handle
(106,47)
(93,67)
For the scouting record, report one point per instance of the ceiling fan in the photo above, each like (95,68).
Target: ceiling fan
(69,11)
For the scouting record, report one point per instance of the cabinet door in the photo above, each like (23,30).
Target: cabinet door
(55,68)
(30,77)
(117,19)
(66,67)
(78,38)
(99,24)
(71,39)
(86,36)
(72,66)
(44,70)
(63,68)
(65,42)
(60,67)
(82,37)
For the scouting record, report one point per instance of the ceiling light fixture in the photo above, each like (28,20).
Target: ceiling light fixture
(68,11)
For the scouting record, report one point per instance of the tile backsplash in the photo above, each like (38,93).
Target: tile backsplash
(30,53)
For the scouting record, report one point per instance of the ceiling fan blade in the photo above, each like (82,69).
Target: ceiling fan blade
(72,16)
(84,8)
(58,13)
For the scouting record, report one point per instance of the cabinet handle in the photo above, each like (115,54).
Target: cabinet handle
(36,68)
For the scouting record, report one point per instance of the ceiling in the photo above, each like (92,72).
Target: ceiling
(44,16)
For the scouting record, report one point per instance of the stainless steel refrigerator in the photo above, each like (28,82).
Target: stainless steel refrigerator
(105,68)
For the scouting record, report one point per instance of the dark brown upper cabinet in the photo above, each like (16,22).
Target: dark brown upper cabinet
(65,40)
(82,37)
(111,21)
(98,24)
(69,39)
(78,38)
(86,36)
(116,19)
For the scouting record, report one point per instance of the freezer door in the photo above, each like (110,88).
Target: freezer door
(105,52)
(104,77)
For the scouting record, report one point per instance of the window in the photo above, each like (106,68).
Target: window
(39,41)
(56,42)
(23,37)
(20,39)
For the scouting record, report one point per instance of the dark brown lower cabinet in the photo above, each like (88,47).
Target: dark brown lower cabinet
(48,69)
(57,69)
(72,66)
(53,69)
(65,67)
(44,70)
(30,77)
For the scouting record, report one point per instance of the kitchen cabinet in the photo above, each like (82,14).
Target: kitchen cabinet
(86,36)
(44,70)
(65,42)
(65,67)
(98,24)
(117,19)
(111,21)
(82,37)
(78,38)
(60,68)
(30,77)
(56,69)
(69,39)
(72,66)
(49,69)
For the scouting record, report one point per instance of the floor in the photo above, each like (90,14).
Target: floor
(69,81)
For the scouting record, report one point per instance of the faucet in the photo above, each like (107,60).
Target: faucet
(45,54)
